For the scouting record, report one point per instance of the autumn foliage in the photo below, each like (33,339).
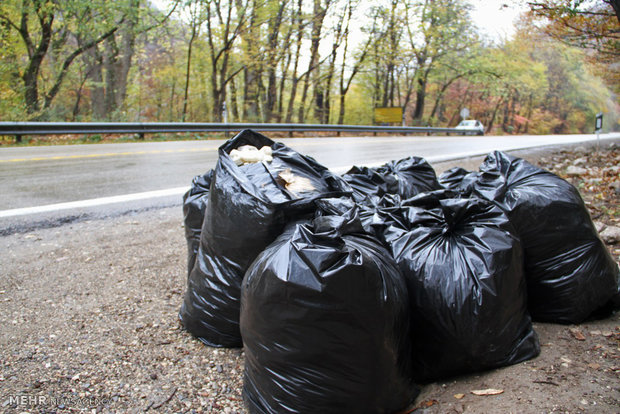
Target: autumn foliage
(307,61)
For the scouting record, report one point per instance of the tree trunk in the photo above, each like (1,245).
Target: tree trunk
(420,94)
(127,50)
(188,70)
(94,62)
(31,74)
(318,16)
(495,110)
(234,110)
(295,79)
(273,55)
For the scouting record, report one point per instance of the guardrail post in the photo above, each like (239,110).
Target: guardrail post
(141,135)
(18,138)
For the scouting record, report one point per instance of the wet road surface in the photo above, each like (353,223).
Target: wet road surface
(123,177)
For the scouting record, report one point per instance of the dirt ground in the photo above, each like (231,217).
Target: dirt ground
(88,321)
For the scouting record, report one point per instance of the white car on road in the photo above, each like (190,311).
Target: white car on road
(471,127)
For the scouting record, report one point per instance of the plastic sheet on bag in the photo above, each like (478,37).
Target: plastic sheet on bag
(247,208)
(405,178)
(569,272)
(462,262)
(458,179)
(194,206)
(325,322)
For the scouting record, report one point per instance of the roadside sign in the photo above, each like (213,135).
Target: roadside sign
(388,114)
(599,122)
(464,113)
(598,126)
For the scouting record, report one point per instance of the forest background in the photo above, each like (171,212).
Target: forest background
(309,61)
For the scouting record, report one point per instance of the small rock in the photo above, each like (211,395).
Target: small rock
(611,234)
(599,226)
(584,402)
(616,186)
(219,368)
(580,149)
(575,171)
(580,161)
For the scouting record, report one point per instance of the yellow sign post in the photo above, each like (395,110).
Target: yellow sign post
(389,114)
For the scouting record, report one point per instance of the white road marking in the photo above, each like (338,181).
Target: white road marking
(93,202)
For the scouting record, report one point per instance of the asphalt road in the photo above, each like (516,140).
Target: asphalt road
(36,183)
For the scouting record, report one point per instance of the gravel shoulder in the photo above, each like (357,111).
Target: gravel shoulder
(88,320)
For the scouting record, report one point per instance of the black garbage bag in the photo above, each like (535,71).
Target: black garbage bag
(463,266)
(376,213)
(410,176)
(366,182)
(458,179)
(569,272)
(406,178)
(248,207)
(324,319)
(194,205)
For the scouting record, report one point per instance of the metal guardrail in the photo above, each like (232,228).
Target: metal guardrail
(50,128)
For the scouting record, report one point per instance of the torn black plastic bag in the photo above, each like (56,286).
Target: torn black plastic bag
(194,206)
(406,178)
(324,319)
(463,266)
(569,272)
(248,207)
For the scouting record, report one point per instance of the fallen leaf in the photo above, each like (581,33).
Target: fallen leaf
(564,359)
(459,396)
(427,403)
(577,334)
(488,391)
(594,365)
(607,334)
